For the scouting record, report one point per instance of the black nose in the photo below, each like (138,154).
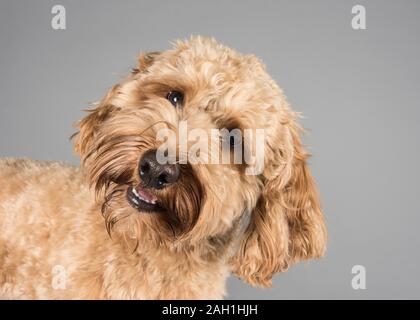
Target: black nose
(156,175)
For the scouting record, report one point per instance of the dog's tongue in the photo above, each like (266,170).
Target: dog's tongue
(145,194)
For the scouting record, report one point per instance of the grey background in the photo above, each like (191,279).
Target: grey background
(358,90)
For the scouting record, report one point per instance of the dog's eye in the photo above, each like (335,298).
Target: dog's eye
(176,98)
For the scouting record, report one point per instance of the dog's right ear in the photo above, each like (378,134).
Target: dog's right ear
(287,225)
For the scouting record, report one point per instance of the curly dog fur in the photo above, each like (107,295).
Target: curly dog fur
(52,214)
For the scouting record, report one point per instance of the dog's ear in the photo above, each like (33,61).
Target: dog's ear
(145,60)
(300,198)
(287,224)
(90,124)
(264,247)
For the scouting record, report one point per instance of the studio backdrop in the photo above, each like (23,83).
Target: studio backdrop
(350,67)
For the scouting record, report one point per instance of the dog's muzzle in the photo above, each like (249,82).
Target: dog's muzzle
(153,176)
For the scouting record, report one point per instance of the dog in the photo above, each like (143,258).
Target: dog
(125,226)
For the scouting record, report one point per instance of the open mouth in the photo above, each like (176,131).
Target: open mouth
(143,200)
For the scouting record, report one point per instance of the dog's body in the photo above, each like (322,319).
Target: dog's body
(63,251)
(174,229)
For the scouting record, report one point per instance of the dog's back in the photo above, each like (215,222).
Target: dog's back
(26,183)
(37,217)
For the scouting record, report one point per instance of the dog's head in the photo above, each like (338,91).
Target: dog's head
(203,90)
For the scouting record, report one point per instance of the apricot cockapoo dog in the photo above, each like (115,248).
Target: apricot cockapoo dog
(172,230)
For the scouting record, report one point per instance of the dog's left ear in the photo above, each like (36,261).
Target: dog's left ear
(287,224)
(89,125)
(145,60)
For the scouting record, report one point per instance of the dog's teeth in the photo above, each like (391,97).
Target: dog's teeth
(135,192)
(133,189)
(137,195)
